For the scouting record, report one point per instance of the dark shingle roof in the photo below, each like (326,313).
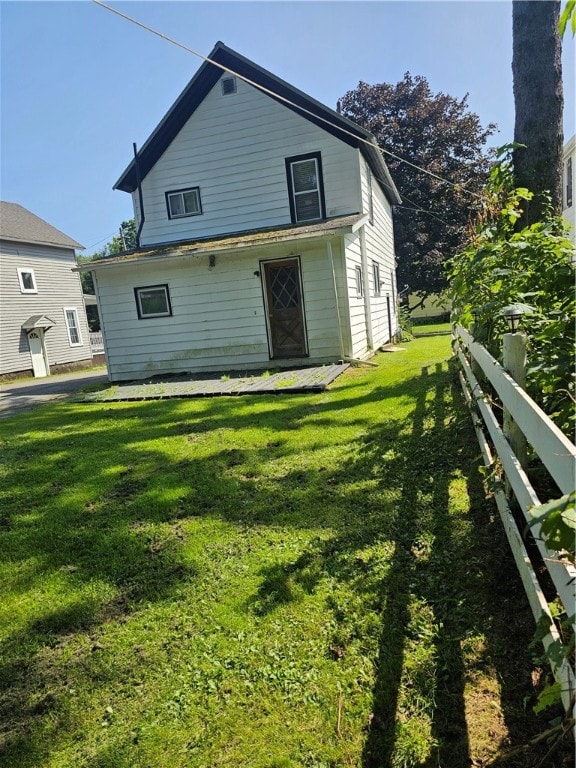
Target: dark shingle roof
(19,224)
(299,102)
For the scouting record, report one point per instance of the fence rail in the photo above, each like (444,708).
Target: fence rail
(557,454)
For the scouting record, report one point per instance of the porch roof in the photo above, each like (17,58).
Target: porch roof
(232,242)
(37,321)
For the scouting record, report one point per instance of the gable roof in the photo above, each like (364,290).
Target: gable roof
(19,224)
(204,80)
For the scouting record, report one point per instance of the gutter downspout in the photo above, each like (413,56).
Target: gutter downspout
(367,301)
(331,260)
(139,185)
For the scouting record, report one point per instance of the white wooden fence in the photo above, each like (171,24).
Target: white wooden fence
(557,454)
(96,343)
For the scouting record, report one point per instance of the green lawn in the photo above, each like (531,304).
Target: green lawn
(264,581)
(427,328)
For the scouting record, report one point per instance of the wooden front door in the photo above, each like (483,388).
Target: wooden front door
(284,306)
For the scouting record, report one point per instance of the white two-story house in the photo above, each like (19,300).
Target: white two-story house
(43,326)
(265,234)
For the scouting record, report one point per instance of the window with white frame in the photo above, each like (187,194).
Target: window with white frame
(359,282)
(27,280)
(376,278)
(153,301)
(305,186)
(73,326)
(184,202)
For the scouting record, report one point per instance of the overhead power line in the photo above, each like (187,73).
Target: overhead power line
(275,95)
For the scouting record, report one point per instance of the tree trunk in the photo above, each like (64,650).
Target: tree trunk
(538,101)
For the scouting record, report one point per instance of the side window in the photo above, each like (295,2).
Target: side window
(73,326)
(305,188)
(184,202)
(569,183)
(27,280)
(376,277)
(153,301)
(359,282)
(370,198)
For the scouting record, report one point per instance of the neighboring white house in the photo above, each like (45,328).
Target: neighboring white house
(568,183)
(43,324)
(265,226)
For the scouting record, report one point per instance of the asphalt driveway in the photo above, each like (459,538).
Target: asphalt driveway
(19,396)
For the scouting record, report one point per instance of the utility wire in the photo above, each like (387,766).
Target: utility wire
(282,98)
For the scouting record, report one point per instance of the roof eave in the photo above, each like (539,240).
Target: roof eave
(229,243)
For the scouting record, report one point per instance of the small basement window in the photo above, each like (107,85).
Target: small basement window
(228,85)
(153,301)
(183,202)
(27,280)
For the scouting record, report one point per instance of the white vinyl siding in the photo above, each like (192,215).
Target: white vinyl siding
(218,321)
(233,149)
(380,248)
(57,287)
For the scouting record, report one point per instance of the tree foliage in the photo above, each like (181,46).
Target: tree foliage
(436,132)
(502,265)
(126,240)
(568,18)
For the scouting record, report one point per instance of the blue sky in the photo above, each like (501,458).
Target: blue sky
(79,84)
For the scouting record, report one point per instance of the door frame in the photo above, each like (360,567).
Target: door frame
(262,265)
(40,333)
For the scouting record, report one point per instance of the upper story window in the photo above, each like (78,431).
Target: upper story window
(27,280)
(184,202)
(568,190)
(306,187)
(153,301)
(73,326)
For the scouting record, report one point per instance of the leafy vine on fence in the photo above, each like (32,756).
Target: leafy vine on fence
(533,266)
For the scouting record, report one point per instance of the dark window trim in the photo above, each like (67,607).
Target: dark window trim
(569,183)
(150,288)
(296,159)
(181,191)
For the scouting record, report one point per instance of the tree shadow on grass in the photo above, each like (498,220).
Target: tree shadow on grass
(106,537)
